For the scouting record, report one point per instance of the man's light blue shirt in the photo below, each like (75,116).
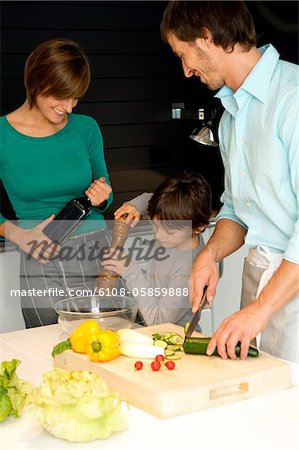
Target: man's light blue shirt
(258,136)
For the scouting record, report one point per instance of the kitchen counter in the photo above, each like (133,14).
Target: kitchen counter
(268,422)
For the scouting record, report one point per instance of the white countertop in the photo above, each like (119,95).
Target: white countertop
(268,422)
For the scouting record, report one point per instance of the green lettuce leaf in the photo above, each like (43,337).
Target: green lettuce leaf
(13,390)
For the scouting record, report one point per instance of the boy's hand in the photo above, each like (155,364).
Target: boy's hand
(133,215)
(117,261)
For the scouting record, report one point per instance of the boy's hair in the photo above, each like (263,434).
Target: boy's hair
(186,196)
(58,68)
(229,22)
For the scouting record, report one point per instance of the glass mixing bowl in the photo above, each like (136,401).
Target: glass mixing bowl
(111,313)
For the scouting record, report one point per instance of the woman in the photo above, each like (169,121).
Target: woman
(48,157)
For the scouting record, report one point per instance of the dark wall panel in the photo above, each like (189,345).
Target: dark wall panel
(102,41)
(149,134)
(104,66)
(128,112)
(111,90)
(102,15)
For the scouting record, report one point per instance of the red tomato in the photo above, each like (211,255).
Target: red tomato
(170,365)
(159,358)
(138,365)
(155,365)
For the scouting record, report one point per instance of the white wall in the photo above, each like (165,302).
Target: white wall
(11,318)
(228,294)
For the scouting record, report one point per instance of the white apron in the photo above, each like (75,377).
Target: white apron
(281,336)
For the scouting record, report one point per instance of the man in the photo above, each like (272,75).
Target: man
(258,136)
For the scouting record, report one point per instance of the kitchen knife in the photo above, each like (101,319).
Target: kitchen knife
(196,315)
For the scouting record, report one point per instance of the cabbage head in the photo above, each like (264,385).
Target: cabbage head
(77,406)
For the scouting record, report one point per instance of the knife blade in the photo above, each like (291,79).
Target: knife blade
(196,315)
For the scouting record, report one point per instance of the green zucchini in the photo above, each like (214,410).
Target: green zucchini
(198,346)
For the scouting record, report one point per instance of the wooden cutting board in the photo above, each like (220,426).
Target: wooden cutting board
(198,382)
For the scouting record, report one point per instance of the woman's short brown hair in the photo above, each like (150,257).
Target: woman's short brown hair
(57,68)
(229,22)
(184,197)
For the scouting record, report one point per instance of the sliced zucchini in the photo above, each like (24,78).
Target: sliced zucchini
(172,357)
(156,336)
(174,348)
(176,339)
(167,335)
(160,343)
(169,352)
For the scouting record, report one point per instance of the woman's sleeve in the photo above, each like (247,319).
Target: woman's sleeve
(97,158)
(2,219)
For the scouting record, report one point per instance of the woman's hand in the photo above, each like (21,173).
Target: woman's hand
(98,191)
(117,261)
(34,242)
(133,215)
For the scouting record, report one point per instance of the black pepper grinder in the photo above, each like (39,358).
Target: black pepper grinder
(107,280)
(68,218)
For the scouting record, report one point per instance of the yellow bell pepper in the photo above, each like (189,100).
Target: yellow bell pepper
(103,345)
(79,338)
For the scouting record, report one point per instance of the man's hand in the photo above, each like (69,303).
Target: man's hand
(227,237)
(204,273)
(98,191)
(241,326)
(246,324)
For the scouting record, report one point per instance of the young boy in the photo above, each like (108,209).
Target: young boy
(180,209)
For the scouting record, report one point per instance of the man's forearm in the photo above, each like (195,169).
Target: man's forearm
(226,239)
(281,288)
